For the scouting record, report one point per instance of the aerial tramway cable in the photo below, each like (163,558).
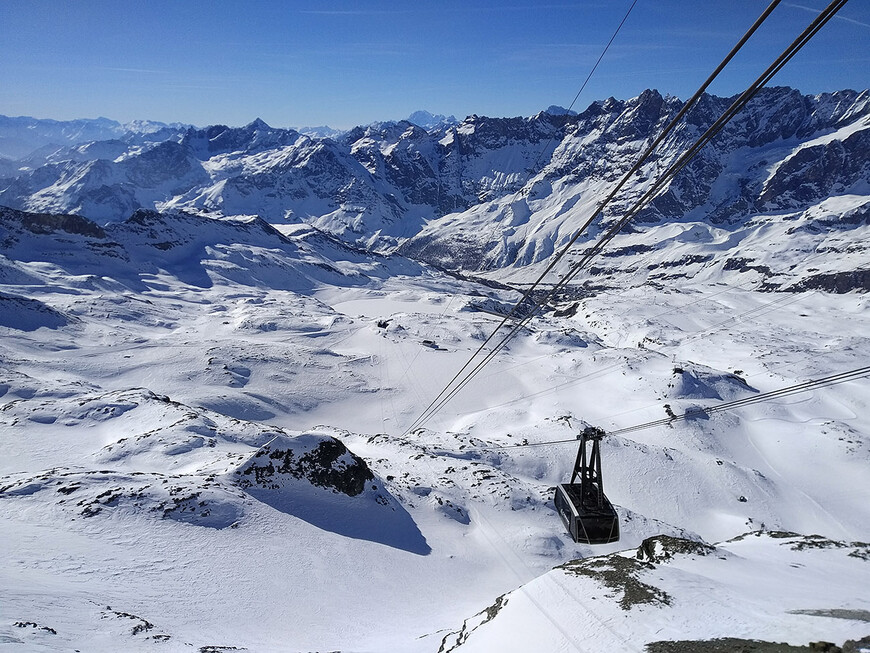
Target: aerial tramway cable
(544,149)
(455,384)
(675,168)
(610,368)
(805,386)
(705,138)
(437,403)
(586,81)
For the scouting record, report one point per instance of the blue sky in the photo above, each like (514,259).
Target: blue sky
(296,63)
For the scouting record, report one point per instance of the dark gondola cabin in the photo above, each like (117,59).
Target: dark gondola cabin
(586,512)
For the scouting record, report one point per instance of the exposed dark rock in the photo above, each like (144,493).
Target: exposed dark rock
(47,223)
(662,548)
(453,640)
(744,265)
(812,172)
(836,282)
(328,464)
(621,576)
(735,645)
(681,262)
(140,625)
(32,624)
(838,613)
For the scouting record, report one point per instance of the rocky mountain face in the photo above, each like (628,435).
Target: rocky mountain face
(375,185)
(788,165)
(788,178)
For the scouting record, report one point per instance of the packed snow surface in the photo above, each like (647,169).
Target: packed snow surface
(764,585)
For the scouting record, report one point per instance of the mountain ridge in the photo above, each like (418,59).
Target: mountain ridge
(498,196)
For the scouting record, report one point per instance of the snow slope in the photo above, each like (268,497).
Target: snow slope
(760,187)
(202,428)
(772,586)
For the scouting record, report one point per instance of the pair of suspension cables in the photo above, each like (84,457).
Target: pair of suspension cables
(526,308)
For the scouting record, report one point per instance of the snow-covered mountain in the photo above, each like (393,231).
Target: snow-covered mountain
(376,186)
(320,131)
(202,446)
(22,136)
(787,166)
(428,120)
(207,380)
(497,194)
(694,597)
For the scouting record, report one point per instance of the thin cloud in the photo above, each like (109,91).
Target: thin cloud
(585,46)
(852,20)
(816,11)
(353,12)
(135,70)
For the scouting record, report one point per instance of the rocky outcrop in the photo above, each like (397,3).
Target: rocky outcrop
(322,461)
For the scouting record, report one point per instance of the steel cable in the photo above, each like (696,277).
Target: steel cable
(437,403)
(672,170)
(804,386)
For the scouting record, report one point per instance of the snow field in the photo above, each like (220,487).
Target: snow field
(123,428)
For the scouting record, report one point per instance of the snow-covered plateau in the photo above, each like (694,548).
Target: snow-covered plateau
(213,347)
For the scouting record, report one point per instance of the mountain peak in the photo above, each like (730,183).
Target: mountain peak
(428,120)
(258,123)
(556,110)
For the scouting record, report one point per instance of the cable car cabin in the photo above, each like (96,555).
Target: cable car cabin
(587,522)
(586,512)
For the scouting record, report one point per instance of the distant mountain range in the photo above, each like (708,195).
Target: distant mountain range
(23,137)
(790,174)
(429,121)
